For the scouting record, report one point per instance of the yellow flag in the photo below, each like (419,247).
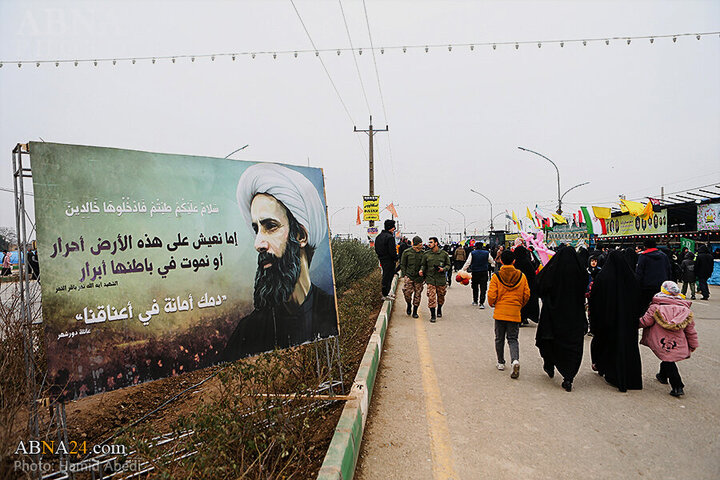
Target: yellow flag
(558,218)
(528,214)
(601,212)
(633,208)
(647,211)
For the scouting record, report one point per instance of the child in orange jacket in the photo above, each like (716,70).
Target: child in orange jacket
(508,293)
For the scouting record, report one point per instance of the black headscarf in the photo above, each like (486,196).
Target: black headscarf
(583,256)
(531,310)
(562,327)
(631,257)
(614,310)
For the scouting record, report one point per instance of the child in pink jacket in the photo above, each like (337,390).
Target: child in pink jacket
(669,331)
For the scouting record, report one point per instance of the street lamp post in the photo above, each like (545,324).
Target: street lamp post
(448,226)
(566,191)
(491,207)
(464,219)
(333,214)
(559,210)
(235,151)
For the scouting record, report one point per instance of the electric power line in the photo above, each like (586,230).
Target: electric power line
(382,98)
(323,64)
(357,67)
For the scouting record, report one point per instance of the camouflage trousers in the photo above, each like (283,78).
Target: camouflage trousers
(436,295)
(410,288)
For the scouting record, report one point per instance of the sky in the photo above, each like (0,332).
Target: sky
(629,119)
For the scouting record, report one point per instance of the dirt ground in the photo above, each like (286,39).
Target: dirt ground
(500,428)
(94,419)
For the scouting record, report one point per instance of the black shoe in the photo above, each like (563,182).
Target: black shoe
(409,309)
(432,315)
(550,371)
(661,379)
(439,311)
(414,313)
(692,298)
(567,385)
(676,392)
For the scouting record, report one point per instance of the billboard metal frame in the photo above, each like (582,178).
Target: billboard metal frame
(328,363)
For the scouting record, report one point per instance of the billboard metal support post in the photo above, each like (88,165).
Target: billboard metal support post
(331,358)
(20,173)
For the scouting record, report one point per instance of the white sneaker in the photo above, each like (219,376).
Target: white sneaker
(501,366)
(482,307)
(516,369)
(474,303)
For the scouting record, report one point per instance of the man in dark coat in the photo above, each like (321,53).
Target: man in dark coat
(653,268)
(531,310)
(387,254)
(704,265)
(614,311)
(562,325)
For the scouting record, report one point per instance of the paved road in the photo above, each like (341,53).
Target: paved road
(441,409)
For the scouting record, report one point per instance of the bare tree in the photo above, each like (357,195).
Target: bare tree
(8,237)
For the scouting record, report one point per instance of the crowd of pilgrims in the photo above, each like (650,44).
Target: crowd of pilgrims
(609,295)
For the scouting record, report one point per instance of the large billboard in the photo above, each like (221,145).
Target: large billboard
(708,217)
(154,265)
(630,225)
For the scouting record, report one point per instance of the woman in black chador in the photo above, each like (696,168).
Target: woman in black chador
(562,327)
(614,307)
(531,310)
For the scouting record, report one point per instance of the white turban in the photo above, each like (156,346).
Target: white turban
(292,189)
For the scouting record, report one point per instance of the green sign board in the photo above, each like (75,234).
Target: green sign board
(686,242)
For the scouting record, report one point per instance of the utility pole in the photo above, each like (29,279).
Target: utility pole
(370,133)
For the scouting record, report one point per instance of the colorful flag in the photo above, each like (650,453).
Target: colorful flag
(391,208)
(528,214)
(558,218)
(633,208)
(595,225)
(358,221)
(647,211)
(602,212)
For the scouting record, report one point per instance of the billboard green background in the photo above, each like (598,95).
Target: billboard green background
(68,176)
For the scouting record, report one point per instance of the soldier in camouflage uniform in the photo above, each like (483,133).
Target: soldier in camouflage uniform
(410,263)
(433,267)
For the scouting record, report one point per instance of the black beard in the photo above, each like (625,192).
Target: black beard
(275,284)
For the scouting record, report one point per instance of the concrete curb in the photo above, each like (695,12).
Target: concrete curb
(342,455)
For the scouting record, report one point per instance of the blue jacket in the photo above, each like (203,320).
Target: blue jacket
(479,261)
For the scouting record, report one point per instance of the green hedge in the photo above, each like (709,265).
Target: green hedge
(352,260)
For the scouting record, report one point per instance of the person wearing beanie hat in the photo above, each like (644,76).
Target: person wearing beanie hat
(410,263)
(387,254)
(669,331)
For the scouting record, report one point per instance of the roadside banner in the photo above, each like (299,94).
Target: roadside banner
(708,217)
(154,265)
(628,224)
(371,208)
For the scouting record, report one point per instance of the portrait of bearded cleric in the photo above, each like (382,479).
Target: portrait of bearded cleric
(284,211)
